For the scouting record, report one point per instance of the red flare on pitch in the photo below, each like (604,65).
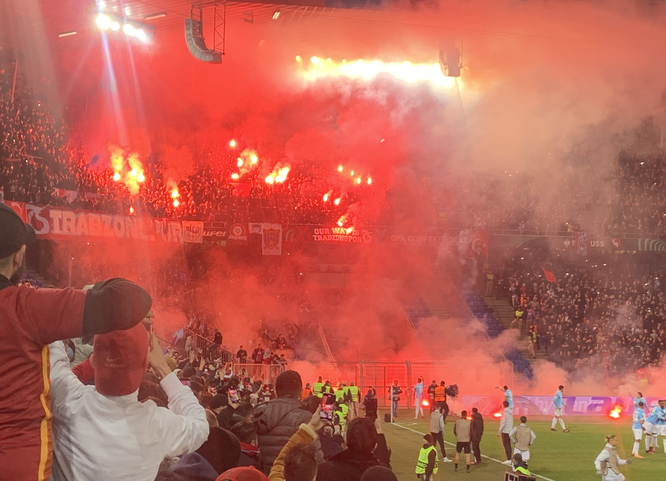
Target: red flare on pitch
(497,415)
(615,413)
(425,403)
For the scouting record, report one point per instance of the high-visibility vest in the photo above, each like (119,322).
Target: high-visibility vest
(354,393)
(340,395)
(422,463)
(306,393)
(342,415)
(327,389)
(440,393)
(522,470)
(317,388)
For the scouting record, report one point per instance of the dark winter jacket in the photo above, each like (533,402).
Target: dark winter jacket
(191,467)
(477,427)
(275,422)
(350,466)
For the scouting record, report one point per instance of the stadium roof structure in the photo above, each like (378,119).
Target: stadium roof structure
(56,16)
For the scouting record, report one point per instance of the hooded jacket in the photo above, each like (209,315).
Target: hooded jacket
(350,466)
(275,422)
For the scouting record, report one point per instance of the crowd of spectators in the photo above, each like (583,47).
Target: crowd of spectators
(39,155)
(596,315)
(43,162)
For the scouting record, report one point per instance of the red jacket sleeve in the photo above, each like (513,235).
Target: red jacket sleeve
(50,315)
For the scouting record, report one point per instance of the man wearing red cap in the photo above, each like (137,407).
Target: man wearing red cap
(103,432)
(31,319)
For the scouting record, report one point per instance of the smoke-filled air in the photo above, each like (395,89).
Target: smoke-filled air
(467,192)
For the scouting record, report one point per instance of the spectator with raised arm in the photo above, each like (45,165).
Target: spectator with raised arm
(103,432)
(31,320)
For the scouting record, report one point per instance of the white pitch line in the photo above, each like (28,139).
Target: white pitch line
(483,455)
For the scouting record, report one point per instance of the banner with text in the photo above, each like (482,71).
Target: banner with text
(56,223)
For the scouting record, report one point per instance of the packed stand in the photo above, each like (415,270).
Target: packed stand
(595,315)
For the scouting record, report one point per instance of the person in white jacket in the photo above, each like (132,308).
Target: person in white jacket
(505,427)
(103,432)
(608,461)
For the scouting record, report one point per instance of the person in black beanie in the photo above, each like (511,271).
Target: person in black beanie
(278,419)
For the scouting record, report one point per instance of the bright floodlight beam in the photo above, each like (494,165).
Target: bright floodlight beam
(103,21)
(129,29)
(115,26)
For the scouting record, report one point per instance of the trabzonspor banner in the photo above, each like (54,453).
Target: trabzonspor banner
(56,223)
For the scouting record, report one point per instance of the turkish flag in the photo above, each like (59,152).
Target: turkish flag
(550,277)
(478,243)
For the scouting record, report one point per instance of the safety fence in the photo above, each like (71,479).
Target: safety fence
(380,376)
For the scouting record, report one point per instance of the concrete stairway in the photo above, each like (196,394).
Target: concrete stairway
(503,310)
(506,313)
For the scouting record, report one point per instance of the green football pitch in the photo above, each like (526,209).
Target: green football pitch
(556,456)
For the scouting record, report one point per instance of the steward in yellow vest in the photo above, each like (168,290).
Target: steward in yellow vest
(354,393)
(341,411)
(318,388)
(427,464)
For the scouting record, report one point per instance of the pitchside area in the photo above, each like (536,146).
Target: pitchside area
(555,456)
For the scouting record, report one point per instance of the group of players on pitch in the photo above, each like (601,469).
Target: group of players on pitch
(652,422)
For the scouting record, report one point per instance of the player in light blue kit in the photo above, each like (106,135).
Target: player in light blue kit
(640,399)
(637,428)
(651,426)
(508,395)
(661,424)
(418,398)
(557,401)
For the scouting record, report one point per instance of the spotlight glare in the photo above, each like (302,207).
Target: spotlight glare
(141,35)
(67,34)
(298,58)
(276,14)
(129,29)
(232,144)
(103,21)
(115,26)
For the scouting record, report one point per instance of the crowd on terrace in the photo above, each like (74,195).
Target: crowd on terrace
(596,315)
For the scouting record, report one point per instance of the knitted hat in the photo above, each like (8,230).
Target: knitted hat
(242,474)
